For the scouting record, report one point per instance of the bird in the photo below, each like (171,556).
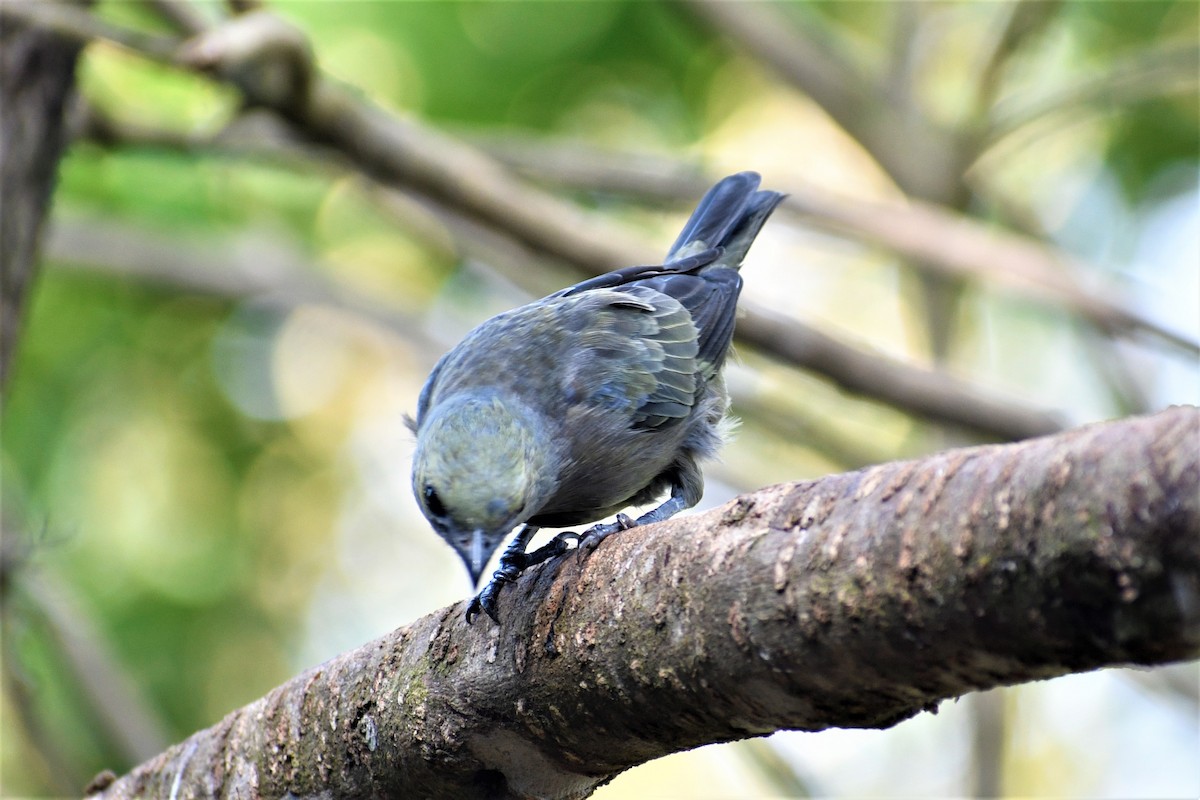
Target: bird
(603,396)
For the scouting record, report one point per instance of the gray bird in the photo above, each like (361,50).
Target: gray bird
(599,397)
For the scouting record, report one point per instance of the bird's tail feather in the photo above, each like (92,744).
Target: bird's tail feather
(729,216)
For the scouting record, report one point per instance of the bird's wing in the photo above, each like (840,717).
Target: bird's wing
(710,299)
(414,423)
(634,353)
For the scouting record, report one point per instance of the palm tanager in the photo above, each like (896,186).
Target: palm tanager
(602,396)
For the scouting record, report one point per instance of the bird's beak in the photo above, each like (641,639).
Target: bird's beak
(479,556)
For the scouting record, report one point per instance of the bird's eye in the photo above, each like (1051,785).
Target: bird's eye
(433,502)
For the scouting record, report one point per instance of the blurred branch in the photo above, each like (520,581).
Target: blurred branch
(857,600)
(988,718)
(398,151)
(931,236)
(904,43)
(47,757)
(883,114)
(183,15)
(61,19)
(1022,19)
(928,393)
(808,56)
(125,724)
(1127,386)
(927,160)
(243,6)
(44,751)
(793,421)
(269,272)
(265,269)
(37,75)
(784,777)
(125,720)
(956,246)
(1110,360)
(1171,69)
(1177,683)
(923,158)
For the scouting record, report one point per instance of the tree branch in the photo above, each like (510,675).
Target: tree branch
(928,393)
(401,152)
(271,271)
(931,237)
(37,74)
(266,268)
(921,156)
(1021,19)
(182,15)
(1171,69)
(857,600)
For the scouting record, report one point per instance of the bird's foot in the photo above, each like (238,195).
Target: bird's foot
(511,567)
(512,564)
(593,535)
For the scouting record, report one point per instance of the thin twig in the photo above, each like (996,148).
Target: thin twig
(185,17)
(1022,19)
(919,155)
(1172,69)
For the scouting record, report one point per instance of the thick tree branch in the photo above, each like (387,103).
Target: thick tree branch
(857,600)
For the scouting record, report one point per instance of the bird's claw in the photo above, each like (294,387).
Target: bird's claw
(484,601)
(511,567)
(513,564)
(594,534)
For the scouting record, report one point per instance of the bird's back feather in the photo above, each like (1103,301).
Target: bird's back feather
(621,370)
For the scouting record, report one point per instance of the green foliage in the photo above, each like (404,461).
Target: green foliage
(531,65)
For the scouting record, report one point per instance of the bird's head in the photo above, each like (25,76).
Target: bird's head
(479,471)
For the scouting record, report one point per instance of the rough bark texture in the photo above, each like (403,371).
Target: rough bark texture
(37,73)
(856,600)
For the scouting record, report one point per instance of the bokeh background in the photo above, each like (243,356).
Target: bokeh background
(204,464)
